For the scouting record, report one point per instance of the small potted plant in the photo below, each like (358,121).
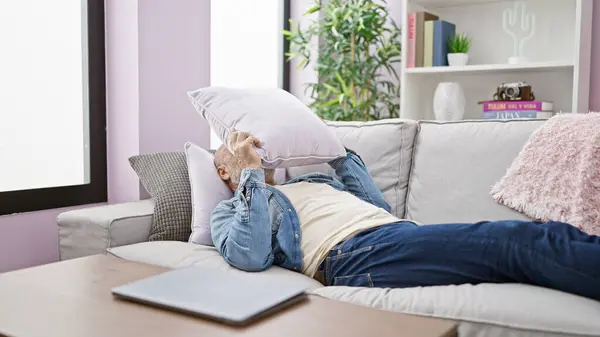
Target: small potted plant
(458,47)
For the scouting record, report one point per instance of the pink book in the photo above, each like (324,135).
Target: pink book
(517,106)
(411,48)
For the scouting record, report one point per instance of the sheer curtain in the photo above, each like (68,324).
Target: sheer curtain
(44,116)
(246,45)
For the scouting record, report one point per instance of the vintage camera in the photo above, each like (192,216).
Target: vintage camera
(516,91)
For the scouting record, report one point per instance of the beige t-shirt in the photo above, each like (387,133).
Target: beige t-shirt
(327,217)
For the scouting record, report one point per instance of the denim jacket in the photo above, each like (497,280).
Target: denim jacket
(259,227)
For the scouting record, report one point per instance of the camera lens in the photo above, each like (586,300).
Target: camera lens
(512,92)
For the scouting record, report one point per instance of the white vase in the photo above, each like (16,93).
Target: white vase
(458,59)
(449,102)
(517,60)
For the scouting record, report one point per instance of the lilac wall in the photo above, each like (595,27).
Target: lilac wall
(157,50)
(122,91)
(28,239)
(174,49)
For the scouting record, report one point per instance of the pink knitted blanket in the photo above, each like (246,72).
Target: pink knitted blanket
(556,176)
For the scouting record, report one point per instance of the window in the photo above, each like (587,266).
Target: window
(52,104)
(247,45)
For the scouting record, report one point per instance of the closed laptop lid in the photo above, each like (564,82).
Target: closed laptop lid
(229,296)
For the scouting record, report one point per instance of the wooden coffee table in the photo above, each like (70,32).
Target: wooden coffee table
(72,298)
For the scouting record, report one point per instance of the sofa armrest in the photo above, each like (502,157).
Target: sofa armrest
(91,231)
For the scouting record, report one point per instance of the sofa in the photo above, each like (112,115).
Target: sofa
(432,172)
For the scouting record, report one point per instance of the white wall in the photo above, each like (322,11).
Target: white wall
(299,77)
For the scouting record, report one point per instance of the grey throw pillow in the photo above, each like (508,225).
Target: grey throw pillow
(165,176)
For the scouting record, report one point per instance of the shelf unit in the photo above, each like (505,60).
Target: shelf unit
(559,55)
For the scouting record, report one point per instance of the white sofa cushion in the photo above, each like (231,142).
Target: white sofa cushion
(207,189)
(518,309)
(386,148)
(176,254)
(289,132)
(455,165)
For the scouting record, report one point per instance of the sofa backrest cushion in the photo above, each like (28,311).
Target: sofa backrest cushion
(455,165)
(386,148)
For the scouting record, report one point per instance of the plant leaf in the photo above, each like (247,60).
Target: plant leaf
(313,9)
(329,103)
(341,81)
(332,89)
(302,63)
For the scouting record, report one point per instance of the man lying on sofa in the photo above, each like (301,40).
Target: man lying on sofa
(341,233)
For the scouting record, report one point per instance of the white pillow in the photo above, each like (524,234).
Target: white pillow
(207,191)
(290,133)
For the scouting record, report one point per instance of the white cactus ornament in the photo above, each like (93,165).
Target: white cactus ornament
(519,24)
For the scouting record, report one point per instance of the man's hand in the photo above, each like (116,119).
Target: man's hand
(242,144)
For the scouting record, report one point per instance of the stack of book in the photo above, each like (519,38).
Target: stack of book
(517,109)
(428,40)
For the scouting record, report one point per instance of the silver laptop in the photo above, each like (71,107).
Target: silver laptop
(232,297)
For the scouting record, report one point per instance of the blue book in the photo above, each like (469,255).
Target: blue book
(512,114)
(442,32)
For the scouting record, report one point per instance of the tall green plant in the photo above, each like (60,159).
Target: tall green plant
(359,44)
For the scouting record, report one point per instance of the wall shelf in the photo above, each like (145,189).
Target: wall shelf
(452,3)
(559,55)
(494,68)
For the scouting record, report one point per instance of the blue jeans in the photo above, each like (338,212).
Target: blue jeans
(552,255)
